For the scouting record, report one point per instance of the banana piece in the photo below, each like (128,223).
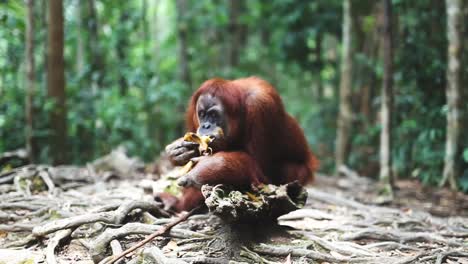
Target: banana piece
(203,142)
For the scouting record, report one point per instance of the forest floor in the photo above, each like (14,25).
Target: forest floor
(82,215)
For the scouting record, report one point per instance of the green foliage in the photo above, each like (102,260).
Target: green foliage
(135,98)
(465,154)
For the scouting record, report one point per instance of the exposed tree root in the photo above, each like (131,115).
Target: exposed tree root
(114,217)
(99,245)
(54,242)
(159,232)
(109,216)
(397,236)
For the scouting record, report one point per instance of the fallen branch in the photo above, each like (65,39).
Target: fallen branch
(160,232)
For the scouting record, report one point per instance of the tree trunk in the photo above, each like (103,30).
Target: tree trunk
(80,49)
(452,144)
(30,81)
(87,54)
(345,114)
(234,32)
(97,75)
(56,82)
(182,27)
(319,63)
(371,49)
(184,67)
(387,100)
(145,29)
(122,46)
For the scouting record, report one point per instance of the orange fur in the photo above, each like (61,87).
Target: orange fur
(264,143)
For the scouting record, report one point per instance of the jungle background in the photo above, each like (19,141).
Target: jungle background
(91,91)
(129,68)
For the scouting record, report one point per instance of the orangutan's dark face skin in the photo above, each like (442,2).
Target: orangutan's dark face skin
(213,123)
(212,119)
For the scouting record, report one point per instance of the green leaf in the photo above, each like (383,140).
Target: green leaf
(465,155)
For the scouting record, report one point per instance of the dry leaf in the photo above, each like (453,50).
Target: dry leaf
(171,246)
(252,197)
(287,260)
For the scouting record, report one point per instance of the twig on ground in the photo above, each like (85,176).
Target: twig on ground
(160,232)
(99,245)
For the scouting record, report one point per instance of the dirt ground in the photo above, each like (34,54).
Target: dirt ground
(85,215)
(409,194)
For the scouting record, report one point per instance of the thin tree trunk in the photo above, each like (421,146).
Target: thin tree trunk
(155,32)
(121,51)
(234,32)
(387,100)
(30,81)
(371,50)
(145,28)
(97,75)
(452,145)
(56,82)
(91,55)
(319,63)
(184,70)
(44,24)
(79,37)
(345,114)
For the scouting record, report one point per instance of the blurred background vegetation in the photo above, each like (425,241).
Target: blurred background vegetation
(131,66)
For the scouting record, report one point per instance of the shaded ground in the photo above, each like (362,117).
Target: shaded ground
(409,194)
(77,215)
